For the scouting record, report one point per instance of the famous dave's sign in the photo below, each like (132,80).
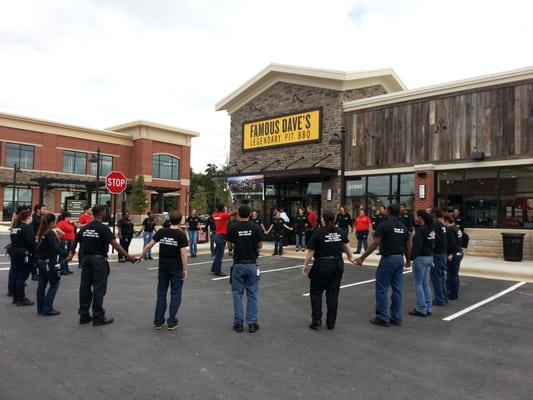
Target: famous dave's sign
(282,131)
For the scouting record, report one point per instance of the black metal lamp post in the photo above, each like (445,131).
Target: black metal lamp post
(341,139)
(95,158)
(16,169)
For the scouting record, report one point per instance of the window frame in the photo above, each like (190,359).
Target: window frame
(157,174)
(76,155)
(18,162)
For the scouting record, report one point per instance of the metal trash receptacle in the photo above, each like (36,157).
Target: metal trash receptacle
(513,246)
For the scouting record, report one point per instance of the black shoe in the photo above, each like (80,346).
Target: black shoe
(100,322)
(453,297)
(85,320)
(415,313)
(439,304)
(428,313)
(172,326)
(357,252)
(9,294)
(395,322)
(315,325)
(121,261)
(219,274)
(238,327)
(253,328)
(330,324)
(379,322)
(14,301)
(150,258)
(67,273)
(51,313)
(25,302)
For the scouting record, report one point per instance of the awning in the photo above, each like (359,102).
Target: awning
(296,173)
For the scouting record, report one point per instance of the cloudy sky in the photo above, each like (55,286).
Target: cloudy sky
(99,63)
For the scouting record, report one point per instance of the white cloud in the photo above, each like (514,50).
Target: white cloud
(99,63)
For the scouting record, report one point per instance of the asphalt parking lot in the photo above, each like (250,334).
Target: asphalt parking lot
(486,353)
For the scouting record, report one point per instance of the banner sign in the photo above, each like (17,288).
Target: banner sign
(252,185)
(284,130)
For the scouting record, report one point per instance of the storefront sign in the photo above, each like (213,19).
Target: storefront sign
(355,188)
(284,130)
(251,185)
(75,207)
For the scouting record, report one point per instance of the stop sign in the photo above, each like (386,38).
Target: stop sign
(116,182)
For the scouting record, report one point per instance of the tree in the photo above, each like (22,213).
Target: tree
(199,201)
(212,181)
(138,201)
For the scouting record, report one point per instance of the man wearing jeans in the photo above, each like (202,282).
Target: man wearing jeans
(393,237)
(193,221)
(148,228)
(440,260)
(221,219)
(172,271)
(247,239)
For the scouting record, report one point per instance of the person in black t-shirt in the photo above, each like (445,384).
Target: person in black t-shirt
(22,251)
(125,233)
(172,271)
(39,211)
(393,237)
(454,238)
(193,221)
(148,227)
(47,255)
(440,260)
(247,239)
(344,221)
(422,257)
(278,226)
(326,247)
(256,220)
(211,227)
(94,239)
(301,223)
(406,217)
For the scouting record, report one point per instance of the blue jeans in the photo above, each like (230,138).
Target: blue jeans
(193,240)
(300,241)
(147,236)
(438,278)
(453,276)
(220,243)
(212,242)
(389,274)
(166,278)
(421,270)
(244,277)
(48,275)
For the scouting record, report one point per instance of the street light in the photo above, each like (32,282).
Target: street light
(341,139)
(95,158)
(16,169)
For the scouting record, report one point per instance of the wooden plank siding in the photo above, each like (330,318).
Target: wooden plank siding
(497,121)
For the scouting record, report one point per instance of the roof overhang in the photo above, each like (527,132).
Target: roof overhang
(307,173)
(162,127)
(450,88)
(321,78)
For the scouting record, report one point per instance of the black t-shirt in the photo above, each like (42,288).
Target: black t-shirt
(393,236)
(48,248)
(126,227)
(171,241)
(407,220)
(95,238)
(454,239)
(149,224)
(441,245)
(327,242)
(193,223)
(299,224)
(245,236)
(278,228)
(211,223)
(423,241)
(23,237)
(344,221)
(459,223)
(257,221)
(378,219)
(36,223)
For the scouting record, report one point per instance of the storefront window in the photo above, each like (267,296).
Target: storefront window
(450,182)
(20,154)
(74,162)
(165,167)
(106,166)
(23,197)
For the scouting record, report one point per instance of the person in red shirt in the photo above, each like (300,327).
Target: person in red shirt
(85,218)
(221,219)
(66,232)
(363,225)
(311,217)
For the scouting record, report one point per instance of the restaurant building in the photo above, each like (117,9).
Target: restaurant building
(58,164)
(466,144)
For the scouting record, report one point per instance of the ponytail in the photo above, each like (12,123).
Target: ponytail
(329,219)
(46,225)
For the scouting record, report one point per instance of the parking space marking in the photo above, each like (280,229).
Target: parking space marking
(358,283)
(262,272)
(205,262)
(483,302)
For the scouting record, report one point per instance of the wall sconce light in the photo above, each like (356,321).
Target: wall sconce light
(477,155)
(421,174)
(438,127)
(295,99)
(253,108)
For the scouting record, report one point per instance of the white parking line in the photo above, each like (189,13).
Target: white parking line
(205,262)
(358,283)
(488,300)
(262,272)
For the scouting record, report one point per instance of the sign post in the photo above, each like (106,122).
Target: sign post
(115,183)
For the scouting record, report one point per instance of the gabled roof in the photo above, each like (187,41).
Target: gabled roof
(167,128)
(322,78)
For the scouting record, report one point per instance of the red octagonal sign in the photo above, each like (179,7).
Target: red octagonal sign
(116,182)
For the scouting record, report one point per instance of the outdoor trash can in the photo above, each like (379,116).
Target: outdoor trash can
(513,246)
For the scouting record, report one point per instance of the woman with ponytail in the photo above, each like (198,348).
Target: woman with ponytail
(22,250)
(326,247)
(47,263)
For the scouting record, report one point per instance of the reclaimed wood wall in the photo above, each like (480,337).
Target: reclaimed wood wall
(497,121)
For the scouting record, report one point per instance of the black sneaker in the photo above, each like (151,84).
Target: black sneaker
(379,322)
(85,320)
(173,326)
(14,301)
(25,302)
(101,322)
(330,325)
(238,327)
(315,325)
(428,313)
(395,322)
(219,274)
(435,303)
(51,313)
(415,313)
(121,261)
(253,328)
